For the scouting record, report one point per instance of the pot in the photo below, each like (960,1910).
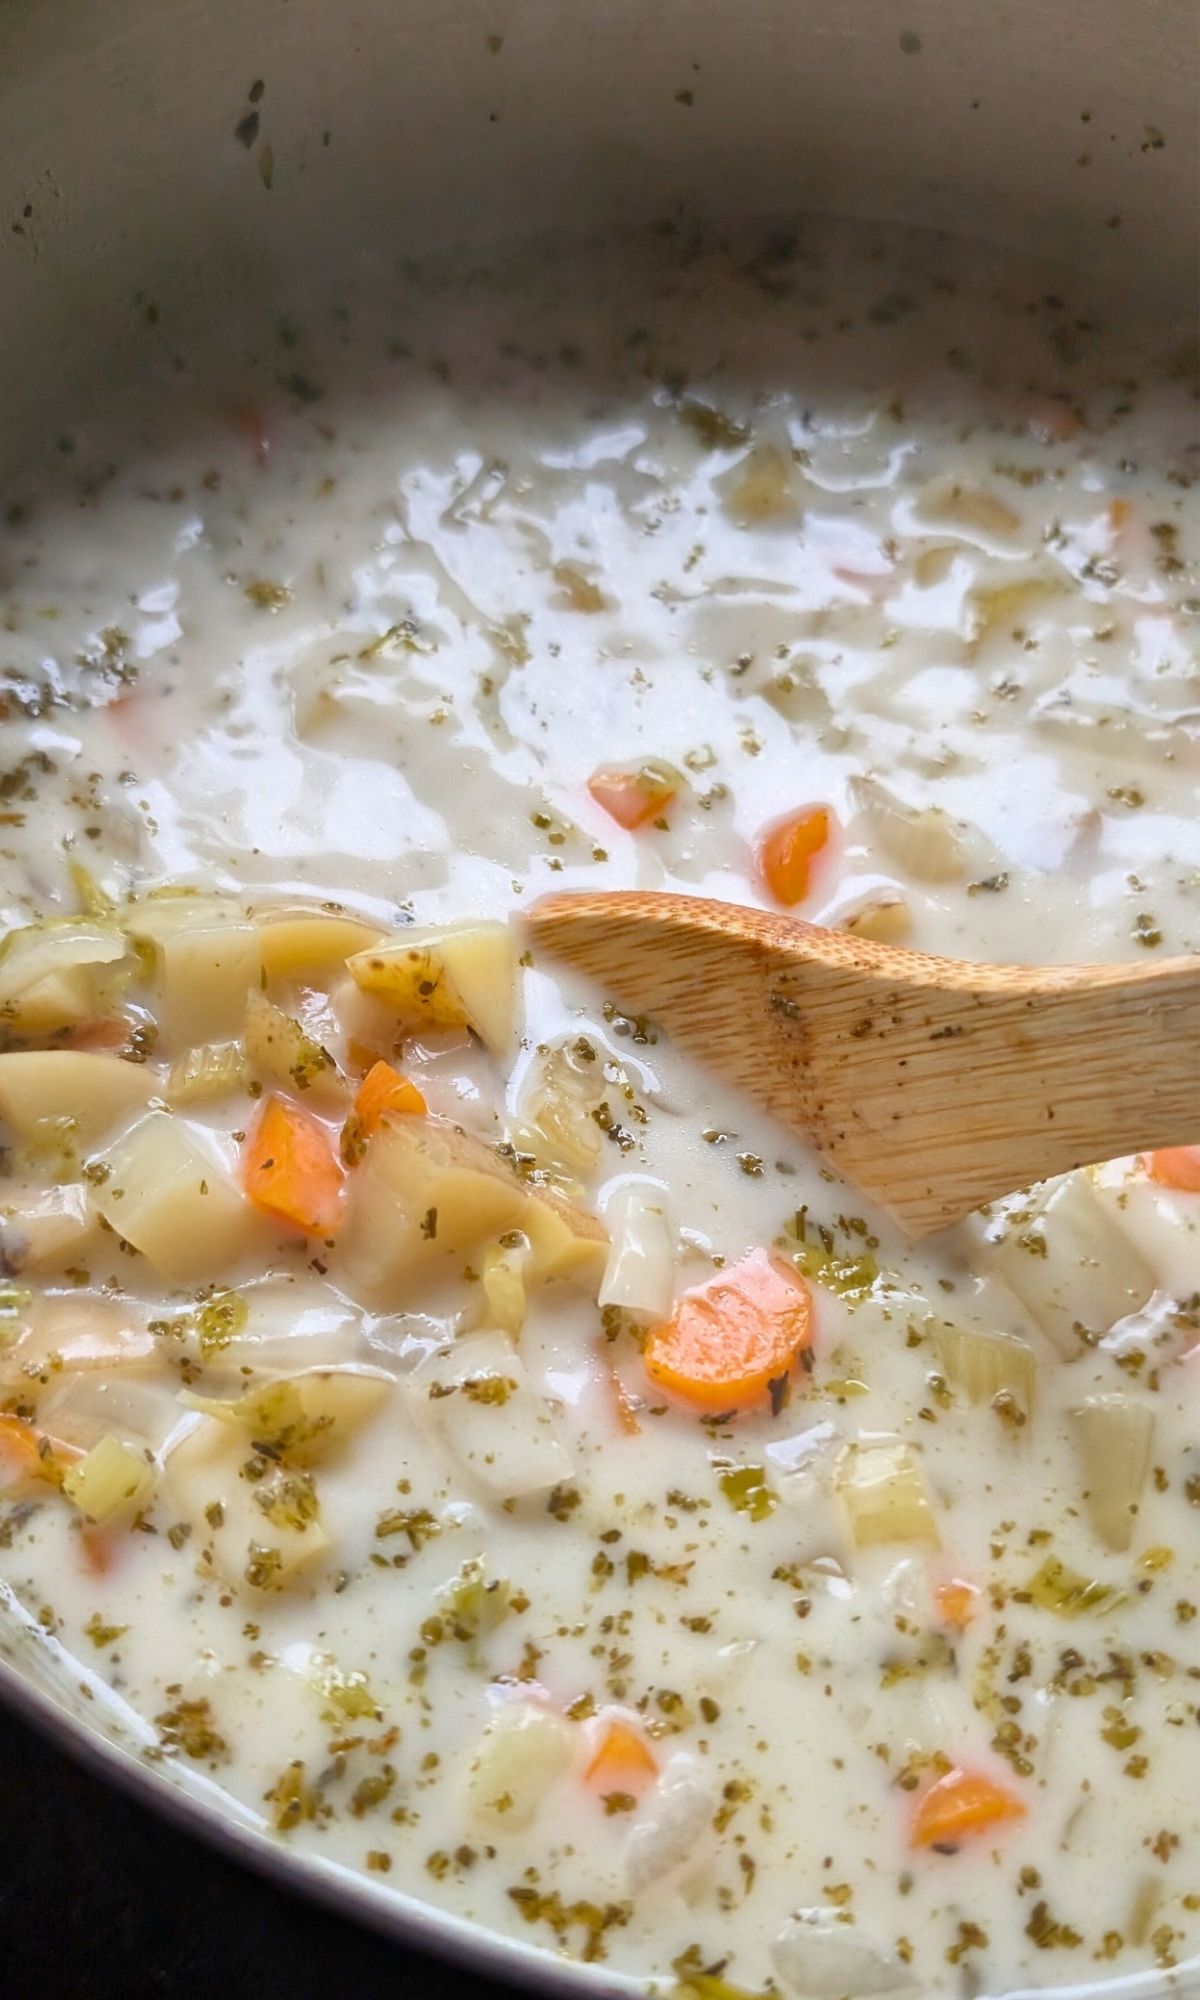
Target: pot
(167,171)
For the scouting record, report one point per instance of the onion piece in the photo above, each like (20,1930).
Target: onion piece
(820,1957)
(43,1227)
(479,1396)
(640,1273)
(882,1488)
(279,1051)
(925,842)
(83,1408)
(213,1070)
(1114,1434)
(76,1331)
(1072,1267)
(61,973)
(986,1365)
(303,1418)
(564,1089)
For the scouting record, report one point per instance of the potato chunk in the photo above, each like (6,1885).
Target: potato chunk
(427,1194)
(164,1194)
(60,974)
(297,942)
(42,1227)
(207,957)
(462,976)
(51,1094)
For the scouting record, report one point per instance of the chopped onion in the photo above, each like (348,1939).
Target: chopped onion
(43,1227)
(986,1365)
(61,973)
(925,842)
(109,1482)
(75,1331)
(163,1193)
(640,1273)
(479,1396)
(82,1408)
(1114,1434)
(1068,1261)
(819,1956)
(521,1753)
(502,1282)
(564,1089)
(882,1488)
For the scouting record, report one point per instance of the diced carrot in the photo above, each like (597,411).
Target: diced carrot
(27,1455)
(290,1168)
(622,1762)
(959,1806)
(729,1340)
(622,1402)
(786,850)
(634,797)
(97,1547)
(383,1089)
(957,1602)
(1176,1167)
(1051,420)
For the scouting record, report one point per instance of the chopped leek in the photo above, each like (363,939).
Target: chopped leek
(640,1273)
(61,973)
(278,1050)
(669,1838)
(1070,1264)
(109,1482)
(303,1418)
(502,1282)
(1058,1588)
(472,1604)
(213,1070)
(564,1090)
(882,1489)
(1114,1434)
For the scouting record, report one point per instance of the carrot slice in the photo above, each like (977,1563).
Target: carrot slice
(786,850)
(28,1455)
(957,1602)
(634,797)
(383,1089)
(1176,1167)
(730,1338)
(623,1761)
(959,1806)
(290,1169)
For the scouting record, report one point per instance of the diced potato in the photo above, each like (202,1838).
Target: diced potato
(673,1827)
(502,1283)
(279,1051)
(298,942)
(41,1228)
(207,957)
(163,1193)
(1070,1264)
(882,1488)
(61,974)
(1114,1434)
(462,976)
(478,1395)
(521,1752)
(304,1418)
(885,918)
(110,1482)
(426,1194)
(49,1094)
(254,1532)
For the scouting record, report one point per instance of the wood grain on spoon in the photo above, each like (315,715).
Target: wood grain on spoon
(931,1084)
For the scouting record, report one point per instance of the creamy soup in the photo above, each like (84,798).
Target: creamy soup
(483,1445)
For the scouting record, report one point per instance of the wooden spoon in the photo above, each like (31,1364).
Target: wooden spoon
(931,1084)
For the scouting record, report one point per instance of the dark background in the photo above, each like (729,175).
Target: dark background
(101,1900)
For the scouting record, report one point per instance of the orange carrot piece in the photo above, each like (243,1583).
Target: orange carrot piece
(728,1340)
(97,1548)
(383,1089)
(29,1455)
(957,1602)
(960,1806)
(290,1168)
(634,797)
(1176,1167)
(623,1404)
(786,850)
(622,1762)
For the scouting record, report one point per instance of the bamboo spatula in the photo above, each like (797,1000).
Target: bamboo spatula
(931,1084)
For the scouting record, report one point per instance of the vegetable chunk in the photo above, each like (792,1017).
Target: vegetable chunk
(730,1338)
(290,1169)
